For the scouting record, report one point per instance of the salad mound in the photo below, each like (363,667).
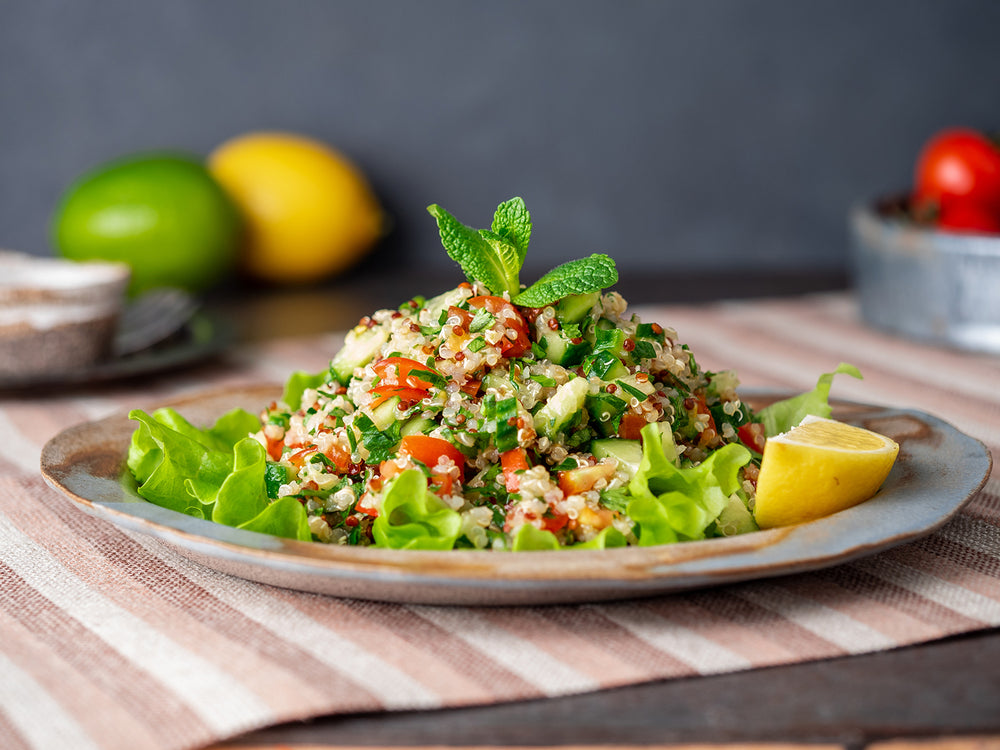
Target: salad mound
(491,416)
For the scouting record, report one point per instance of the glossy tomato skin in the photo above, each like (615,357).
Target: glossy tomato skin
(969,217)
(958,165)
(428,450)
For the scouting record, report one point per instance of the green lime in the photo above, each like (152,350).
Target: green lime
(161,213)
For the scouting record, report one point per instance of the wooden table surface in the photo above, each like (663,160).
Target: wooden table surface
(944,694)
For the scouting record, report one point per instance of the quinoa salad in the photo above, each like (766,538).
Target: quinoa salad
(491,416)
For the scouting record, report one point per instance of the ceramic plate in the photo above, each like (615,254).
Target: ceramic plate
(939,469)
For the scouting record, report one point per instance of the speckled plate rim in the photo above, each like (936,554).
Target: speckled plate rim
(938,471)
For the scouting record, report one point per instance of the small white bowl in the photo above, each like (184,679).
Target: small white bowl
(57,315)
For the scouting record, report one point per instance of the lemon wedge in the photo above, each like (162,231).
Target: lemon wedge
(818,468)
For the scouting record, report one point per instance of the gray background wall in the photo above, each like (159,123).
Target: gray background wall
(675,135)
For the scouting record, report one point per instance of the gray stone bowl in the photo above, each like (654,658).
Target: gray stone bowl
(934,286)
(57,315)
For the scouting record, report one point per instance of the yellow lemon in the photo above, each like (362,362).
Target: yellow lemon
(818,468)
(309,212)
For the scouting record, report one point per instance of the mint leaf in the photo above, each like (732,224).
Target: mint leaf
(575,277)
(483,255)
(512,222)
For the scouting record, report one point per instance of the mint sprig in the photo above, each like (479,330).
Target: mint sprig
(575,277)
(494,258)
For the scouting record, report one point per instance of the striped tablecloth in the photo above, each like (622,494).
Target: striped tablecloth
(111,640)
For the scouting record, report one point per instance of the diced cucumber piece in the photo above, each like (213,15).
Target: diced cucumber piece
(561,407)
(360,347)
(434,306)
(500,383)
(735,518)
(384,414)
(606,366)
(604,409)
(574,308)
(628,452)
(611,340)
(417,426)
(562,351)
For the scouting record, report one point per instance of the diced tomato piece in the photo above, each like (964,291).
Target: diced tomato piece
(407,396)
(513,320)
(752,436)
(428,450)
(631,426)
(471,386)
(513,461)
(340,456)
(464,316)
(388,469)
(554,522)
(701,408)
(407,372)
(299,458)
(442,484)
(583,478)
(364,507)
(274,448)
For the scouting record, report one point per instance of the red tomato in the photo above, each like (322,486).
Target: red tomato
(554,522)
(298,458)
(513,461)
(407,396)
(752,436)
(521,344)
(464,316)
(957,165)
(969,217)
(631,425)
(407,372)
(428,450)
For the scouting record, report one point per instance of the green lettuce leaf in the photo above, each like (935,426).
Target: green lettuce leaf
(166,461)
(412,517)
(215,473)
(671,503)
(528,538)
(284,517)
(297,384)
(782,416)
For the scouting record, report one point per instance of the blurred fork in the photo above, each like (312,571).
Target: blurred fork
(151,318)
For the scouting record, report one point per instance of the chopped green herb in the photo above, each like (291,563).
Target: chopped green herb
(631,390)
(483,319)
